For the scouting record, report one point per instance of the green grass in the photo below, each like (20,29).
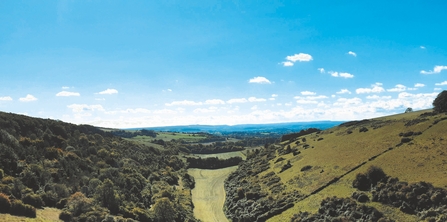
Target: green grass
(167,136)
(43,215)
(423,159)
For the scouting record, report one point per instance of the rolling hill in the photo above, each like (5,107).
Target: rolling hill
(304,174)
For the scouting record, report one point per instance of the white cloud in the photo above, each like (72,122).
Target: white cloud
(437,89)
(352,53)
(347,102)
(317,97)
(108,92)
(77,108)
(287,63)
(378,97)
(6,98)
(214,102)
(301,57)
(274,95)
(321,70)
(65,87)
(255,107)
(184,103)
(422,47)
(375,88)
(66,93)
(208,110)
(254,99)
(260,80)
(240,100)
(303,101)
(419,85)
(397,88)
(441,83)
(308,93)
(28,98)
(165,111)
(344,91)
(436,70)
(341,74)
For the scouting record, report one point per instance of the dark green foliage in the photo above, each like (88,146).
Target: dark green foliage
(212,162)
(5,203)
(107,196)
(18,208)
(2,174)
(164,210)
(34,200)
(286,166)
(440,103)
(65,216)
(375,175)
(361,182)
(306,168)
(293,136)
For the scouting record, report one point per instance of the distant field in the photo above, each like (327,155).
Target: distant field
(167,136)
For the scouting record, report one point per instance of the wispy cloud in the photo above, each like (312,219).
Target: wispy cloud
(214,102)
(254,99)
(300,57)
(419,85)
(341,74)
(436,70)
(108,92)
(352,53)
(375,88)
(77,108)
(28,98)
(6,98)
(237,100)
(308,93)
(321,70)
(441,83)
(422,47)
(184,103)
(344,91)
(287,63)
(397,88)
(260,80)
(65,87)
(66,93)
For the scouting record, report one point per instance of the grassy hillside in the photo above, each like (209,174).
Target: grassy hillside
(408,146)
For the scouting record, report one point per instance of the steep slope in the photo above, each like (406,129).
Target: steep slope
(324,164)
(88,173)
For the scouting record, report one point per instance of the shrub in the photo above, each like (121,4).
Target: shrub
(306,168)
(2,174)
(440,103)
(375,174)
(65,216)
(34,200)
(18,208)
(5,204)
(361,182)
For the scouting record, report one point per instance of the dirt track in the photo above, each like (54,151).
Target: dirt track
(208,195)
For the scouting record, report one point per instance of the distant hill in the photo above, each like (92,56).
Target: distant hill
(280,128)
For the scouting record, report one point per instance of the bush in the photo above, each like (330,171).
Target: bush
(5,204)
(65,216)
(18,208)
(440,103)
(33,200)
(361,182)
(375,175)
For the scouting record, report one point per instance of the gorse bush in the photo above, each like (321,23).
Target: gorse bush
(5,204)
(18,208)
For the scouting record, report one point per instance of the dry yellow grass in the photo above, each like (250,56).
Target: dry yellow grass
(43,215)
(423,159)
(208,195)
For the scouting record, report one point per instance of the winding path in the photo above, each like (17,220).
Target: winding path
(208,195)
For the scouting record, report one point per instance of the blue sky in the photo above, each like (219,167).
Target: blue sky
(154,63)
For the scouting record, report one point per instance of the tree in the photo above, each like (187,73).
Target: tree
(108,197)
(409,110)
(440,103)
(164,210)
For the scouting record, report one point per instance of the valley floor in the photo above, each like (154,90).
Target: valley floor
(208,195)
